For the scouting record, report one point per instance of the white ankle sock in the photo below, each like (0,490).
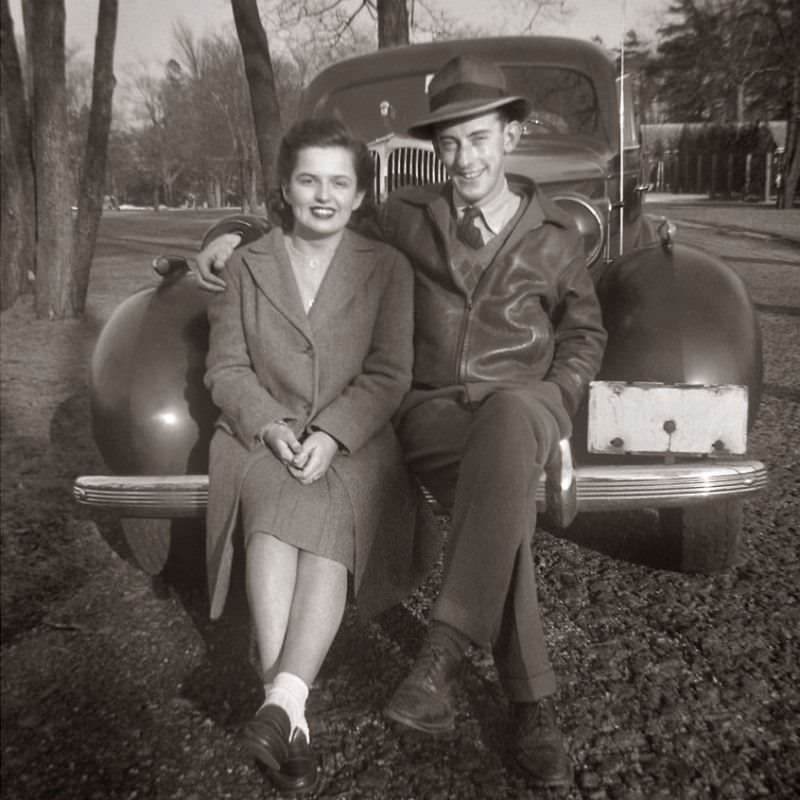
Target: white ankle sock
(290,693)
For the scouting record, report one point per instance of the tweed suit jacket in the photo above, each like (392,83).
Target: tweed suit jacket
(344,368)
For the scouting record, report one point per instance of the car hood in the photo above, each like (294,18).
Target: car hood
(555,161)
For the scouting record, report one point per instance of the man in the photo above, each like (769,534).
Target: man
(508,334)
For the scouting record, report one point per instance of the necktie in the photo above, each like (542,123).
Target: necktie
(467,231)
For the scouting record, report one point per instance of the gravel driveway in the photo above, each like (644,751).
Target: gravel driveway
(672,686)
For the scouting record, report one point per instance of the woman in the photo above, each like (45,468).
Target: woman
(310,354)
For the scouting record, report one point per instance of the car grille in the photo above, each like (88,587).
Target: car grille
(405,166)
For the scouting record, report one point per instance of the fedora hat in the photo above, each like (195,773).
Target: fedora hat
(465,87)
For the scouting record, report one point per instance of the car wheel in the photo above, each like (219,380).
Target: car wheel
(149,541)
(708,536)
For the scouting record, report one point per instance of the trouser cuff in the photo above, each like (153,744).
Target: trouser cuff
(530,688)
(462,620)
(519,689)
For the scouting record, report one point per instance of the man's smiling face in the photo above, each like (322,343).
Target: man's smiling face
(472,150)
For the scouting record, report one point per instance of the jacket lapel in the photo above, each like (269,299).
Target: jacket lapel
(268,263)
(440,212)
(352,264)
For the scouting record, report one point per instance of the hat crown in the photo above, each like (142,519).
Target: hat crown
(466,78)
(464,87)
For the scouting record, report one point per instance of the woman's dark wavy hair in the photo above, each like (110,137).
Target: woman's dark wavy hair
(320,132)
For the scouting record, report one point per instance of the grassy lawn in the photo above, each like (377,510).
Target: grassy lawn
(128,242)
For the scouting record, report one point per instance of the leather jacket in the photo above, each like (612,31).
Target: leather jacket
(533,317)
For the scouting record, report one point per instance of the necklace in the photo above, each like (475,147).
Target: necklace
(314,263)
(309,272)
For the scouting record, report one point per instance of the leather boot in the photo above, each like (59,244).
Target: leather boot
(538,744)
(424,700)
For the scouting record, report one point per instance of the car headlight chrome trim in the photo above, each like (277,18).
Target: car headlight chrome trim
(589,221)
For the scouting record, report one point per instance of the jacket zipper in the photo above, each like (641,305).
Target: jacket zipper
(461,365)
(445,252)
(469,304)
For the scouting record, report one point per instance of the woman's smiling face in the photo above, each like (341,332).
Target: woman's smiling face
(322,191)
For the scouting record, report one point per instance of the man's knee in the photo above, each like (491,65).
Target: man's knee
(510,422)
(504,403)
(506,415)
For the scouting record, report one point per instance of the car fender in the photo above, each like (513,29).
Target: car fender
(676,314)
(151,412)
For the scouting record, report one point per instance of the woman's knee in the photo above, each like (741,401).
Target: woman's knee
(313,563)
(261,544)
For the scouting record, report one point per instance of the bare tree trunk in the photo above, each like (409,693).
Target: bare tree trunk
(791,163)
(18,224)
(261,82)
(51,159)
(252,186)
(392,23)
(93,174)
(241,164)
(168,182)
(740,102)
(249,179)
(29,26)
(791,169)
(12,276)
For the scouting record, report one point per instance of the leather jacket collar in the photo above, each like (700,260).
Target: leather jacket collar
(433,195)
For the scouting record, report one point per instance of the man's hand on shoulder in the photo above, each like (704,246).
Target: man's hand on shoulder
(212,258)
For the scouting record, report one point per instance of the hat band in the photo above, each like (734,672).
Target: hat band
(465,91)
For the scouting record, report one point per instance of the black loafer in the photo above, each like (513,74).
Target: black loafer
(266,736)
(424,700)
(298,774)
(538,744)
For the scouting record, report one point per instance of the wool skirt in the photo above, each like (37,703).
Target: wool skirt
(317,518)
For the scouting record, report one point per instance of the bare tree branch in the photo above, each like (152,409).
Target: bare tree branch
(184,38)
(93,172)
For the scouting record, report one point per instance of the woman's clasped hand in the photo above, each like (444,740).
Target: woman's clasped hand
(307,462)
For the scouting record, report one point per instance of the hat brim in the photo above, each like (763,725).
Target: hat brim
(518,107)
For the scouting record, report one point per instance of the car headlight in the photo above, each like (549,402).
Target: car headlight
(589,222)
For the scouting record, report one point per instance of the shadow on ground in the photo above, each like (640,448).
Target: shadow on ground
(633,536)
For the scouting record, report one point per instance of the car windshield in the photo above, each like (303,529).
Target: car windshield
(563,102)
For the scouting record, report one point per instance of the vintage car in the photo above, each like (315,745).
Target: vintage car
(665,426)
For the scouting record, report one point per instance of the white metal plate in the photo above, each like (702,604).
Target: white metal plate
(651,418)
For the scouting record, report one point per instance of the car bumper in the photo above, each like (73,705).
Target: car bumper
(566,491)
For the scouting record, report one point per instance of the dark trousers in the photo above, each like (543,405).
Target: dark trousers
(483,463)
